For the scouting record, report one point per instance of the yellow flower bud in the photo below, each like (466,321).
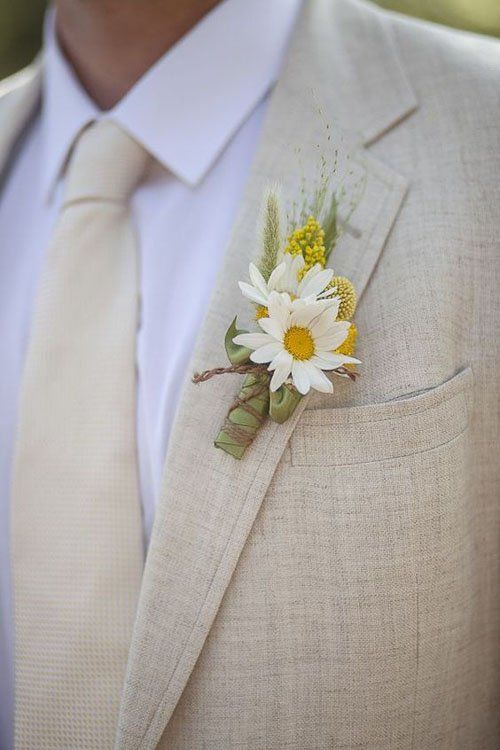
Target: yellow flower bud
(308,241)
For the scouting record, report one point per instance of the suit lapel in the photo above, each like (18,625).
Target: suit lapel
(209,500)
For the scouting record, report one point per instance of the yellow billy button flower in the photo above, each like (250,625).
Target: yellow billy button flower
(309,242)
(344,290)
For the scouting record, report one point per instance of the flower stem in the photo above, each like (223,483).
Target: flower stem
(201,377)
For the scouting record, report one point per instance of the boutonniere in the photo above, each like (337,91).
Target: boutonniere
(302,314)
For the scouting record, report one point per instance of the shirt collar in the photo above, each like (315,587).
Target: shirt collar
(185,108)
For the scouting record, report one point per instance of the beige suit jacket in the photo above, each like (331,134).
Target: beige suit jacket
(339,587)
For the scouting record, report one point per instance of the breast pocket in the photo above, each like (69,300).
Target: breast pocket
(389,431)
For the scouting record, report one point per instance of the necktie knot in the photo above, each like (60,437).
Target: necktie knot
(106,164)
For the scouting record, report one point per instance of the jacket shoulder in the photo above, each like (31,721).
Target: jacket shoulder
(19,98)
(19,81)
(456,79)
(446,56)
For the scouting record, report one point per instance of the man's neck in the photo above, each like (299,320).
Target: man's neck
(112,43)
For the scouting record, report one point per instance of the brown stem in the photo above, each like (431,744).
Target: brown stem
(344,371)
(201,377)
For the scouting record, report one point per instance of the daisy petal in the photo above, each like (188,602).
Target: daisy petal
(294,264)
(330,341)
(349,360)
(318,379)
(257,279)
(313,284)
(297,263)
(304,313)
(276,276)
(310,274)
(251,293)
(273,327)
(327,293)
(330,361)
(330,303)
(333,339)
(322,364)
(282,359)
(324,323)
(266,353)
(300,377)
(279,309)
(252,340)
(281,364)
(277,379)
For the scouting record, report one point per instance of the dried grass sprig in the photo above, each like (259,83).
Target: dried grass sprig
(271,234)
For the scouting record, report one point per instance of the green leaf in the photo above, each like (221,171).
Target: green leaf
(238,355)
(283,403)
(330,226)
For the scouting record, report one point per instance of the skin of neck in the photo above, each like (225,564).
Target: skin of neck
(110,44)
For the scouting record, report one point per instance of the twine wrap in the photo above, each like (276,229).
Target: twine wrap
(246,415)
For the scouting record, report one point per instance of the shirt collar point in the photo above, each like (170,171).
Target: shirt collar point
(190,177)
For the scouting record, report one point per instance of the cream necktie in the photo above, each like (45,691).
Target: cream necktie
(76,525)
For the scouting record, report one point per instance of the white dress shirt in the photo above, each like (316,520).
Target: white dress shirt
(198,111)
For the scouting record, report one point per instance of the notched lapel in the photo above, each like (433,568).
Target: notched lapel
(209,500)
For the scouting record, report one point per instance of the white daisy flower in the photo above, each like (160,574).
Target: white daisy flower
(284,278)
(298,341)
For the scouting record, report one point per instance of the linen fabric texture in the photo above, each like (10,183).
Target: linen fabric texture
(338,587)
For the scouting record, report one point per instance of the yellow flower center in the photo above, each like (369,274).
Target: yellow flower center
(299,342)
(261,312)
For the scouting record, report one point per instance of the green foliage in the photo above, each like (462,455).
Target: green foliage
(20,33)
(238,355)
(329,223)
(482,16)
(283,403)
